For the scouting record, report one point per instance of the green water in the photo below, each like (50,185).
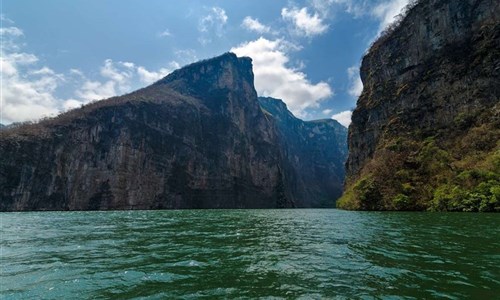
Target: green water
(308,254)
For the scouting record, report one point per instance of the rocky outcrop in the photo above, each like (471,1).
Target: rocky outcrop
(314,152)
(427,121)
(195,139)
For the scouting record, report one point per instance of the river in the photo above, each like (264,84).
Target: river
(290,254)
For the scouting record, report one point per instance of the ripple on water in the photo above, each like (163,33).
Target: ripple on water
(275,254)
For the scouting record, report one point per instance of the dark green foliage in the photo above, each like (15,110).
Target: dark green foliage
(368,194)
(402,202)
(427,177)
(474,190)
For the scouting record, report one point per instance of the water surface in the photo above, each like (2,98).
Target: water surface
(191,254)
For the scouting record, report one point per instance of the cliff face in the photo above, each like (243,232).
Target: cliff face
(314,152)
(425,132)
(195,139)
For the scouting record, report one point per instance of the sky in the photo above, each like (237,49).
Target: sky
(57,55)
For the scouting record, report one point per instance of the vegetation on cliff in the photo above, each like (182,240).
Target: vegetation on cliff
(426,131)
(432,174)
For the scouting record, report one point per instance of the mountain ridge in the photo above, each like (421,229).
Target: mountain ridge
(317,148)
(178,143)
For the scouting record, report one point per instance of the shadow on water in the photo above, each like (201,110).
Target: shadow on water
(249,253)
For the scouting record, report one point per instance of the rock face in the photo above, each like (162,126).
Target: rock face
(425,132)
(195,139)
(315,153)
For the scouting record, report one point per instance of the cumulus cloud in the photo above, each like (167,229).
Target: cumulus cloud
(96,90)
(26,94)
(149,77)
(343,117)
(254,25)
(273,76)
(356,85)
(119,78)
(30,92)
(304,23)
(120,73)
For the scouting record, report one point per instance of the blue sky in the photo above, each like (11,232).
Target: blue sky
(59,54)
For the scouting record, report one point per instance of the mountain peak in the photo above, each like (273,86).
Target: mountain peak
(224,72)
(276,107)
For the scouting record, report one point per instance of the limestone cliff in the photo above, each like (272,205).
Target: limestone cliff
(425,133)
(195,139)
(315,152)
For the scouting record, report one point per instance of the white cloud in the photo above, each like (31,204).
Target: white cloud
(254,25)
(304,23)
(357,8)
(387,11)
(12,31)
(96,90)
(384,11)
(30,92)
(43,71)
(119,78)
(327,111)
(343,117)
(212,24)
(274,78)
(76,72)
(120,74)
(356,85)
(26,94)
(165,33)
(185,56)
(71,103)
(4,19)
(149,77)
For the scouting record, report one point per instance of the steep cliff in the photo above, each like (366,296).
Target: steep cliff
(196,139)
(314,152)
(426,130)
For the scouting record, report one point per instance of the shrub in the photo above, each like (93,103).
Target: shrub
(401,202)
(368,194)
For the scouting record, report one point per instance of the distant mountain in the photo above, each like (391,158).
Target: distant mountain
(316,152)
(425,133)
(197,138)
